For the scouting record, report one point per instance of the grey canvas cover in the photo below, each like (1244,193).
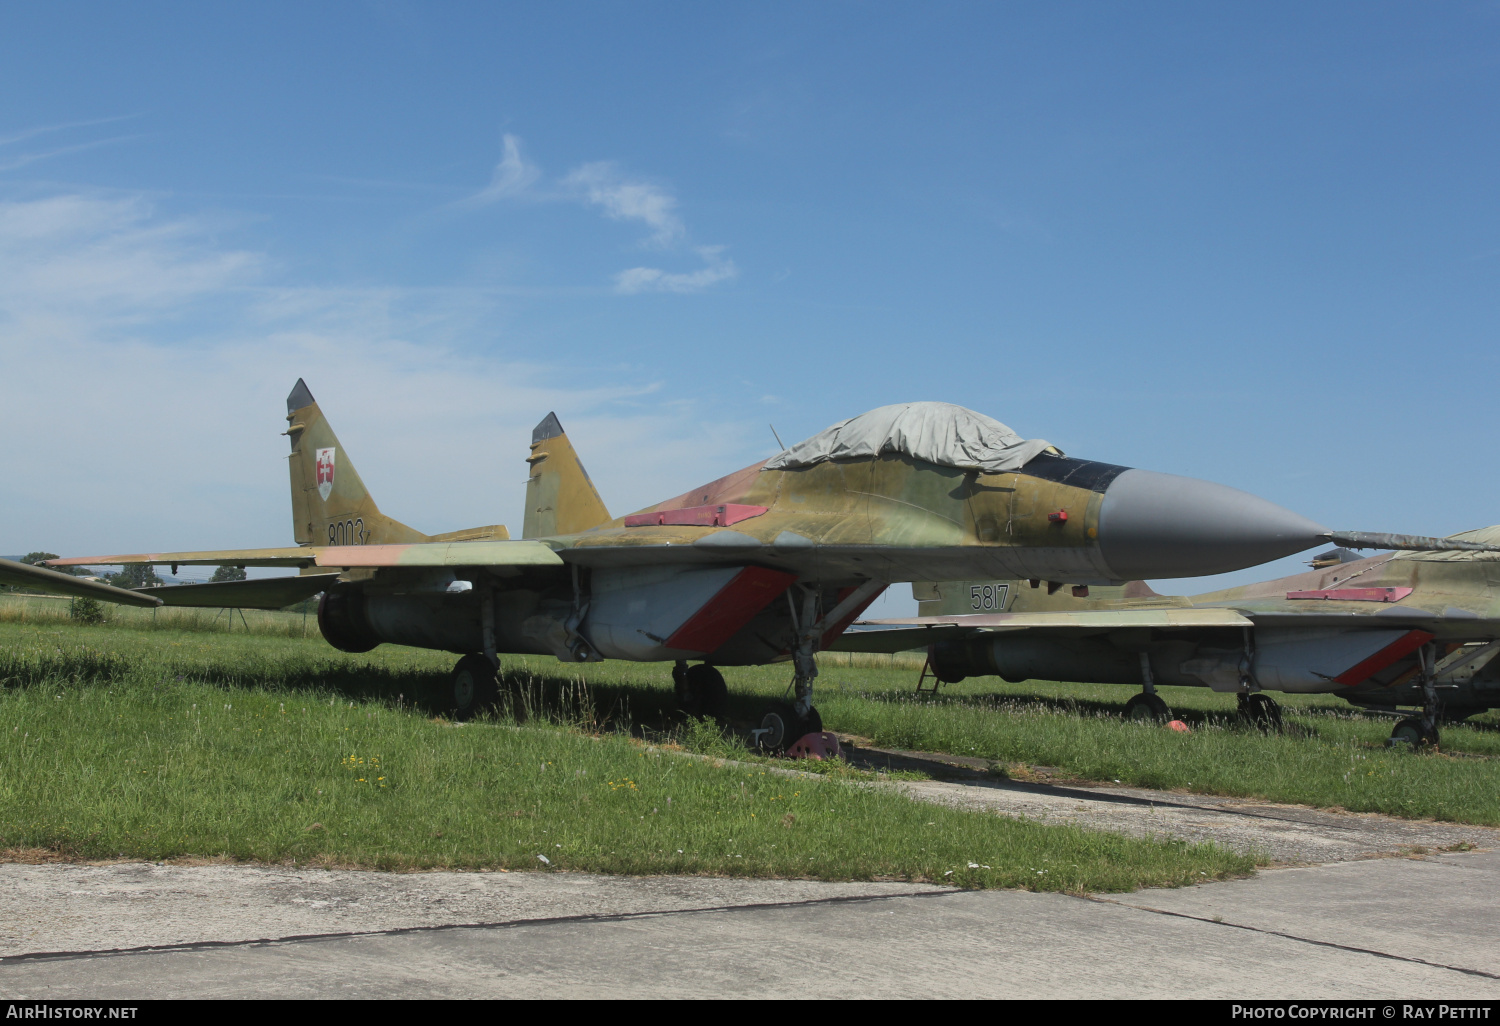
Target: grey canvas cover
(940,433)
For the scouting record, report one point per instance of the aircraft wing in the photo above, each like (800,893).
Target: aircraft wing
(417,554)
(428,554)
(899,635)
(295,556)
(264,593)
(42,579)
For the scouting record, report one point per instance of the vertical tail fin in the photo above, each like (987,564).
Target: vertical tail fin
(560,498)
(330,505)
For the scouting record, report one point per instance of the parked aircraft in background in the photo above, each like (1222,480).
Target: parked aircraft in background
(1404,628)
(770,563)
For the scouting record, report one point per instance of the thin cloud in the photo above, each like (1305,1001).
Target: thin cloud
(654,279)
(29,133)
(620,197)
(173,355)
(624,199)
(30,158)
(513,175)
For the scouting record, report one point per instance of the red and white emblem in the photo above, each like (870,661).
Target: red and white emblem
(325,472)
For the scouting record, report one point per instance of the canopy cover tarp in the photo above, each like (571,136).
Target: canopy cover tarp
(940,433)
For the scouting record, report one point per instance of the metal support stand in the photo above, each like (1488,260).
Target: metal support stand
(936,681)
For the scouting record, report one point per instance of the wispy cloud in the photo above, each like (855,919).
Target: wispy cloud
(512,177)
(620,196)
(33,132)
(654,279)
(143,364)
(625,199)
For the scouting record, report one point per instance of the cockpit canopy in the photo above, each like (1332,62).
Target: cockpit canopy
(940,433)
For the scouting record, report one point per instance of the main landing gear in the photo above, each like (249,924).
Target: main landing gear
(1259,710)
(1148,705)
(473,687)
(1421,731)
(785,725)
(701,690)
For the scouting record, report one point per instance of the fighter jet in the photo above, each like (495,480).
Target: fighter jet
(767,564)
(42,579)
(1406,628)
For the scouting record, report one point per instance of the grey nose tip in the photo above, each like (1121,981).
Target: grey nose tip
(1163,525)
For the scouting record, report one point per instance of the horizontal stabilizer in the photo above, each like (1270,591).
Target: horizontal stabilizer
(476,553)
(1405,542)
(27,576)
(265,593)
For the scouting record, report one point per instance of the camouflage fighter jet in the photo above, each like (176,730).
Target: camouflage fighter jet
(41,579)
(770,563)
(1406,628)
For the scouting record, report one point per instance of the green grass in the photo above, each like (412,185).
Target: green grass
(161,744)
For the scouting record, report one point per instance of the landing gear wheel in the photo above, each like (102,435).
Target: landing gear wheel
(783,728)
(1147,707)
(473,687)
(703,692)
(1412,733)
(1261,711)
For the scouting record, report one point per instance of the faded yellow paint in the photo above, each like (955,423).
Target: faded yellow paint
(349,514)
(560,498)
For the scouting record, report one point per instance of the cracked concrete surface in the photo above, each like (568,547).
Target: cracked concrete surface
(1374,929)
(1345,925)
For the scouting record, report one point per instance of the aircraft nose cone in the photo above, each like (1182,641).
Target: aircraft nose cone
(1163,525)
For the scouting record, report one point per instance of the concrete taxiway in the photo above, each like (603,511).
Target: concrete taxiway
(1374,928)
(1372,907)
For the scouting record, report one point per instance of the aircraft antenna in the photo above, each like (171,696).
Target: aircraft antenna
(777,437)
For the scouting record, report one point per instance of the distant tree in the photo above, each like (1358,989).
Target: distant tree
(227,573)
(139,576)
(34,558)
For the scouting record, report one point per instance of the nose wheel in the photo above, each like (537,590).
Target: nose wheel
(782,727)
(1412,732)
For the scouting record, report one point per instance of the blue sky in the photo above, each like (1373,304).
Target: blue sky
(1257,243)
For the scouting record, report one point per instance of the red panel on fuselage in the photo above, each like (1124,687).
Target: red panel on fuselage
(1401,647)
(747,593)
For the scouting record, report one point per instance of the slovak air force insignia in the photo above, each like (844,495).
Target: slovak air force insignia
(325,472)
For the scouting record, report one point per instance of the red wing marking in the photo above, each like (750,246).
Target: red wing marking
(696,516)
(1401,647)
(1354,594)
(747,593)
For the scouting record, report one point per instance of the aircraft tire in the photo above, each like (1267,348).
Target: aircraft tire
(473,687)
(1262,711)
(704,692)
(785,728)
(1411,734)
(1147,707)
